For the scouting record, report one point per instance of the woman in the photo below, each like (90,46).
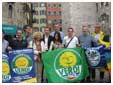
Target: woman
(38,47)
(57,42)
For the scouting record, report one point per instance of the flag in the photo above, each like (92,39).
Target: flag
(6,76)
(96,56)
(108,60)
(65,65)
(22,66)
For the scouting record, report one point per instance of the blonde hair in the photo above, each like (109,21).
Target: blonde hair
(37,34)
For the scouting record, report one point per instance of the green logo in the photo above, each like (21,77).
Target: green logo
(68,64)
(5,69)
(22,64)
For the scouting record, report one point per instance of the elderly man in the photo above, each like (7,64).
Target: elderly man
(86,40)
(98,34)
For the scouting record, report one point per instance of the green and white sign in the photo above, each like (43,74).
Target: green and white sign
(5,69)
(22,64)
(65,65)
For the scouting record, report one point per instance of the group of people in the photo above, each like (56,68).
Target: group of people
(47,41)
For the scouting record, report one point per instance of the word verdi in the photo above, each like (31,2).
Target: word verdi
(66,65)
(22,66)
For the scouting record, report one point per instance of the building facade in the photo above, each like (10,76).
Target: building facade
(75,14)
(68,14)
(104,15)
(39,16)
(13,14)
(54,14)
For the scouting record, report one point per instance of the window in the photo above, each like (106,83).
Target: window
(36,29)
(55,13)
(107,4)
(37,21)
(60,13)
(49,21)
(49,5)
(43,20)
(55,21)
(36,13)
(49,13)
(102,4)
(55,5)
(59,5)
(10,8)
(42,4)
(97,7)
(35,4)
(60,20)
(42,12)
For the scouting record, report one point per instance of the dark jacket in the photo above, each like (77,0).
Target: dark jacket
(50,39)
(19,44)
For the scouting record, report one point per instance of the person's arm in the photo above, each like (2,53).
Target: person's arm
(51,45)
(79,45)
(77,42)
(43,47)
(8,47)
(30,45)
(64,42)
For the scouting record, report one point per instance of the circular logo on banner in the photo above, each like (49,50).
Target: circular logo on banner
(93,57)
(68,64)
(5,69)
(22,64)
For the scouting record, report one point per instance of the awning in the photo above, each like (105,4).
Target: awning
(9,29)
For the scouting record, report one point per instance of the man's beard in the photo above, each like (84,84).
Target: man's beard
(85,34)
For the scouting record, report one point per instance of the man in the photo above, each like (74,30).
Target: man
(19,43)
(57,29)
(47,38)
(28,33)
(87,41)
(98,34)
(70,41)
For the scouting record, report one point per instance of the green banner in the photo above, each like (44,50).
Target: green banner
(65,65)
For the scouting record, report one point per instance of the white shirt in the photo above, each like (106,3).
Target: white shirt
(33,45)
(46,42)
(73,42)
(97,36)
